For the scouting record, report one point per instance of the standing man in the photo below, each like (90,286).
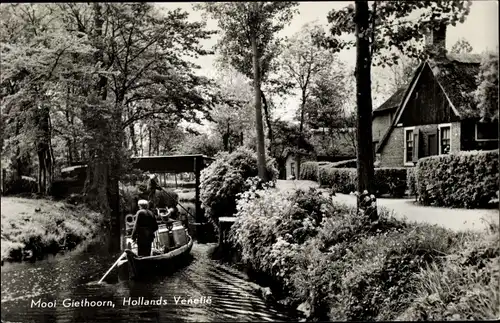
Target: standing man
(152,188)
(144,229)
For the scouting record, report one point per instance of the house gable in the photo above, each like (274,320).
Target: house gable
(449,83)
(427,103)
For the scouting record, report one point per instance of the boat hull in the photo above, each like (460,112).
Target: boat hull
(137,268)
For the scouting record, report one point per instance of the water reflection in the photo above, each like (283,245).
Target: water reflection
(222,293)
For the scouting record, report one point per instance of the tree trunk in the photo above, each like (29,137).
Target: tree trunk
(225,137)
(301,130)
(149,141)
(104,144)
(261,153)
(133,139)
(268,118)
(365,169)
(141,138)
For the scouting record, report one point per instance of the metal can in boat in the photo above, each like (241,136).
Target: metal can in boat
(163,236)
(179,233)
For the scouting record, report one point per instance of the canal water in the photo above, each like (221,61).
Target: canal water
(206,291)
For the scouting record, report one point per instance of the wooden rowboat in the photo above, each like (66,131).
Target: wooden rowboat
(135,267)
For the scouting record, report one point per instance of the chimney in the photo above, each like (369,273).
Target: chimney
(436,37)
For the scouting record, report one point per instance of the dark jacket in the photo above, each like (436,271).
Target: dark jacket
(153,185)
(145,226)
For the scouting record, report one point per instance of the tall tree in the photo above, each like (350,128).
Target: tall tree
(234,117)
(36,61)
(303,60)
(109,66)
(379,31)
(248,43)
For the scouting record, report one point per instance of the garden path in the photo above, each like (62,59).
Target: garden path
(455,219)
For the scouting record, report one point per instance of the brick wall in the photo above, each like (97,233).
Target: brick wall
(393,151)
(380,125)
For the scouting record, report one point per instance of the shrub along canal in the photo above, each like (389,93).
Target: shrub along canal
(63,289)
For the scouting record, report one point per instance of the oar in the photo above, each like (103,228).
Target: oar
(168,194)
(114,265)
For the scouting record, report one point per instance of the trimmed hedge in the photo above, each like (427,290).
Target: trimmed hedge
(390,181)
(309,171)
(351,163)
(466,179)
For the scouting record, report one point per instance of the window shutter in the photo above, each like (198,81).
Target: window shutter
(416,145)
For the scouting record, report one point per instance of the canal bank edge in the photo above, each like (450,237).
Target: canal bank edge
(34,228)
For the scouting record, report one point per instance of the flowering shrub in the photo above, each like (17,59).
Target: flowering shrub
(466,179)
(225,178)
(344,267)
(272,225)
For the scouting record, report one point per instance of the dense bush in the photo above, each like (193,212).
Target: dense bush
(411,181)
(22,185)
(464,287)
(466,179)
(225,178)
(390,181)
(346,268)
(272,224)
(64,187)
(309,171)
(342,180)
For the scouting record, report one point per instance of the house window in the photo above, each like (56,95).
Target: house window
(444,139)
(409,146)
(486,131)
(292,169)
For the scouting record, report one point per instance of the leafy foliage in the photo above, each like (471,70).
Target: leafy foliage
(392,32)
(486,95)
(249,45)
(462,46)
(239,21)
(348,268)
(411,181)
(199,144)
(225,178)
(287,139)
(466,179)
(272,225)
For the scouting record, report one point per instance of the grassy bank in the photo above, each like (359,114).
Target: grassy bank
(325,259)
(32,228)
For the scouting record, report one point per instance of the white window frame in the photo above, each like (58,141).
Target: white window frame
(444,125)
(475,135)
(405,130)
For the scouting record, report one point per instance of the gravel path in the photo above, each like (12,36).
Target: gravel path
(455,219)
